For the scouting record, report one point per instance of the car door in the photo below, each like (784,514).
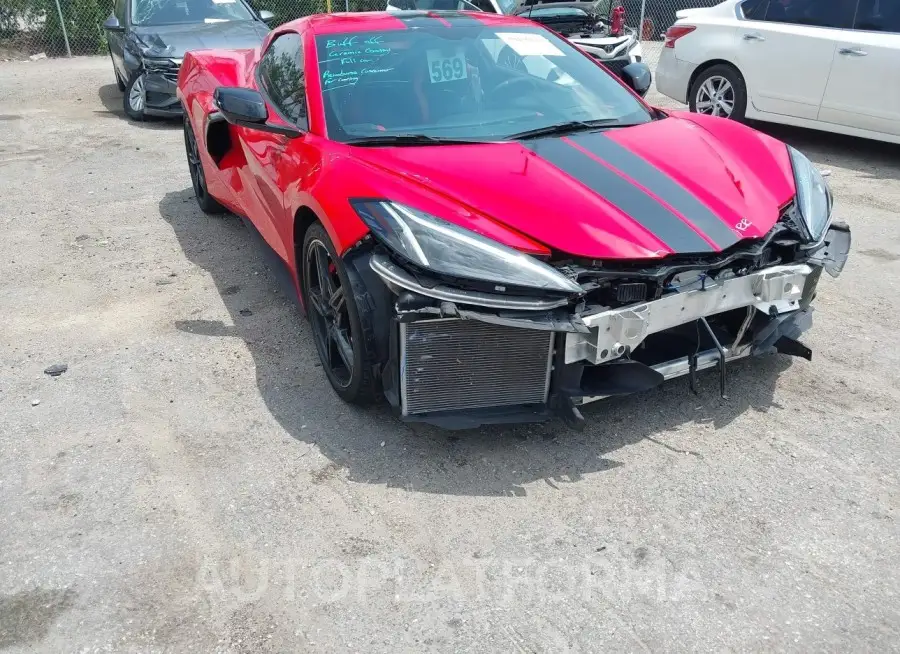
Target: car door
(864,88)
(280,79)
(784,49)
(116,39)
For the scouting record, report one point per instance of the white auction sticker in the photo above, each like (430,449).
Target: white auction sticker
(446,66)
(528,43)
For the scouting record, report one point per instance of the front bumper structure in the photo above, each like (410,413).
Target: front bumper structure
(460,358)
(618,332)
(161,85)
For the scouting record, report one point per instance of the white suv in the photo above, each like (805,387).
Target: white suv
(832,65)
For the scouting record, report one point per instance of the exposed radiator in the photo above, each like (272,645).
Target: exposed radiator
(452,364)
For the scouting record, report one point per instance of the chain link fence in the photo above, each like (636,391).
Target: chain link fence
(651,19)
(29,27)
(57,27)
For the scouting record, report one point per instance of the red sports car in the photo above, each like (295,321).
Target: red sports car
(481,243)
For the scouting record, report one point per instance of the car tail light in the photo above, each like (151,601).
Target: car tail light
(676,32)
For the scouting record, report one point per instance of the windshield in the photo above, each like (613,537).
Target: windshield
(471,81)
(171,12)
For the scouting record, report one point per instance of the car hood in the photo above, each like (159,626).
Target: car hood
(686,184)
(174,40)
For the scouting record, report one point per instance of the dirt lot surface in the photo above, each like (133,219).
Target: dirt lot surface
(192,483)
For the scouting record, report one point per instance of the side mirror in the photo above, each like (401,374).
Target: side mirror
(112,24)
(266,16)
(637,77)
(247,108)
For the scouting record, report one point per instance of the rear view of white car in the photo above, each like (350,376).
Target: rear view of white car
(830,65)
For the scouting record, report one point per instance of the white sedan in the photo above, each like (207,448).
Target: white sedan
(829,65)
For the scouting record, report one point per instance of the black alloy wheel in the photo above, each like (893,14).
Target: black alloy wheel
(328,313)
(335,318)
(208,203)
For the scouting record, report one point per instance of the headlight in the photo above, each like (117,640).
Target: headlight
(446,249)
(161,63)
(813,196)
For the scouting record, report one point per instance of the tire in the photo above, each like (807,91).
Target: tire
(208,204)
(134,99)
(331,333)
(721,79)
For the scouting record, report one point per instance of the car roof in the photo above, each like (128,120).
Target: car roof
(364,21)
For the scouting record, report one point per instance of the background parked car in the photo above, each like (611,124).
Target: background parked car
(586,24)
(832,66)
(148,39)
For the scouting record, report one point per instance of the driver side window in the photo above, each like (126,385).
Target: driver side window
(836,14)
(281,77)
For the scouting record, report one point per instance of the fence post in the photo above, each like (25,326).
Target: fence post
(640,25)
(62,24)
(347,6)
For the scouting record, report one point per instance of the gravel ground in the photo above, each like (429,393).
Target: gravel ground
(192,483)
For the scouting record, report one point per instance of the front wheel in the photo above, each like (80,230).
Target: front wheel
(339,330)
(135,98)
(719,91)
(208,203)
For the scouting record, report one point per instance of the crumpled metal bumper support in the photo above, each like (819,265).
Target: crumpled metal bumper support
(616,332)
(600,341)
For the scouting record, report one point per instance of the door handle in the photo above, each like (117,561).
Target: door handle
(853,52)
(754,37)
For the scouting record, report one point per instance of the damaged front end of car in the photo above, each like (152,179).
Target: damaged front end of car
(475,333)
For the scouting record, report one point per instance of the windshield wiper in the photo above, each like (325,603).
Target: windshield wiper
(407,139)
(569,127)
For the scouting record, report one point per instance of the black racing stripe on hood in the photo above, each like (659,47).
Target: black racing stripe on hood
(634,202)
(660,184)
